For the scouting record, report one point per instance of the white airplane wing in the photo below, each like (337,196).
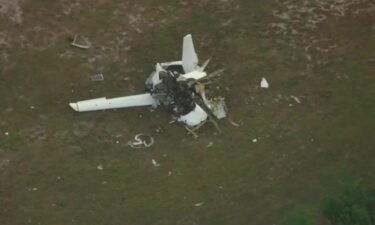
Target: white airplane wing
(189,56)
(113,103)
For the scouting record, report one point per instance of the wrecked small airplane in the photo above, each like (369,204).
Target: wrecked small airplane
(180,85)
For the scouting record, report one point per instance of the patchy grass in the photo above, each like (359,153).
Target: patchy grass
(300,148)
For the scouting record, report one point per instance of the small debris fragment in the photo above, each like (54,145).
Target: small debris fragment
(141,141)
(199,204)
(233,123)
(100,167)
(97,77)
(80,42)
(6,133)
(156,164)
(210,144)
(295,99)
(264,83)
(158,130)
(169,173)
(254,140)
(32,107)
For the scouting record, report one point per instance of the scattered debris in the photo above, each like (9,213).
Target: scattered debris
(141,141)
(100,167)
(6,133)
(32,107)
(159,130)
(264,83)
(4,163)
(255,140)
(97,77)
(199,204)
(33,189)
(80,42)
(209,144)
(295,99)
(156,164)
(169,173)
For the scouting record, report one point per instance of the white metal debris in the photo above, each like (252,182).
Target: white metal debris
(219,109)
(233,123)
(156,164)
(80,42)
(264,83)
(199,204)
(209,144)
(100,167)
(295,99)
(141,141)
(6,133)
(255,140)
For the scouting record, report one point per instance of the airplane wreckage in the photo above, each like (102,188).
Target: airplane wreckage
(180,85)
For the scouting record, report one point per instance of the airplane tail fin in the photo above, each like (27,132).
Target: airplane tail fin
(189,56)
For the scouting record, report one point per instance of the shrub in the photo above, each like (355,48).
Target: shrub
(355,206)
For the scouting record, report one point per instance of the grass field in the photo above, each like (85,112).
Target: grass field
(321,52)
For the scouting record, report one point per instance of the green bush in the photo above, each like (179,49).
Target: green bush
(299,217)
(355,206)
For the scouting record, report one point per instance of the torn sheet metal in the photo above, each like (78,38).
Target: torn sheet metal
(218,107)
(141,141)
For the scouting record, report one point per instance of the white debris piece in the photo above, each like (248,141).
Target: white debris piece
(156,164)
(199,204)
(6,133)
(295,99)
(233,123)
(100,167)
(264,83)
(141,141)
(255,140)
(80,42)
(218,107)
(97,77)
